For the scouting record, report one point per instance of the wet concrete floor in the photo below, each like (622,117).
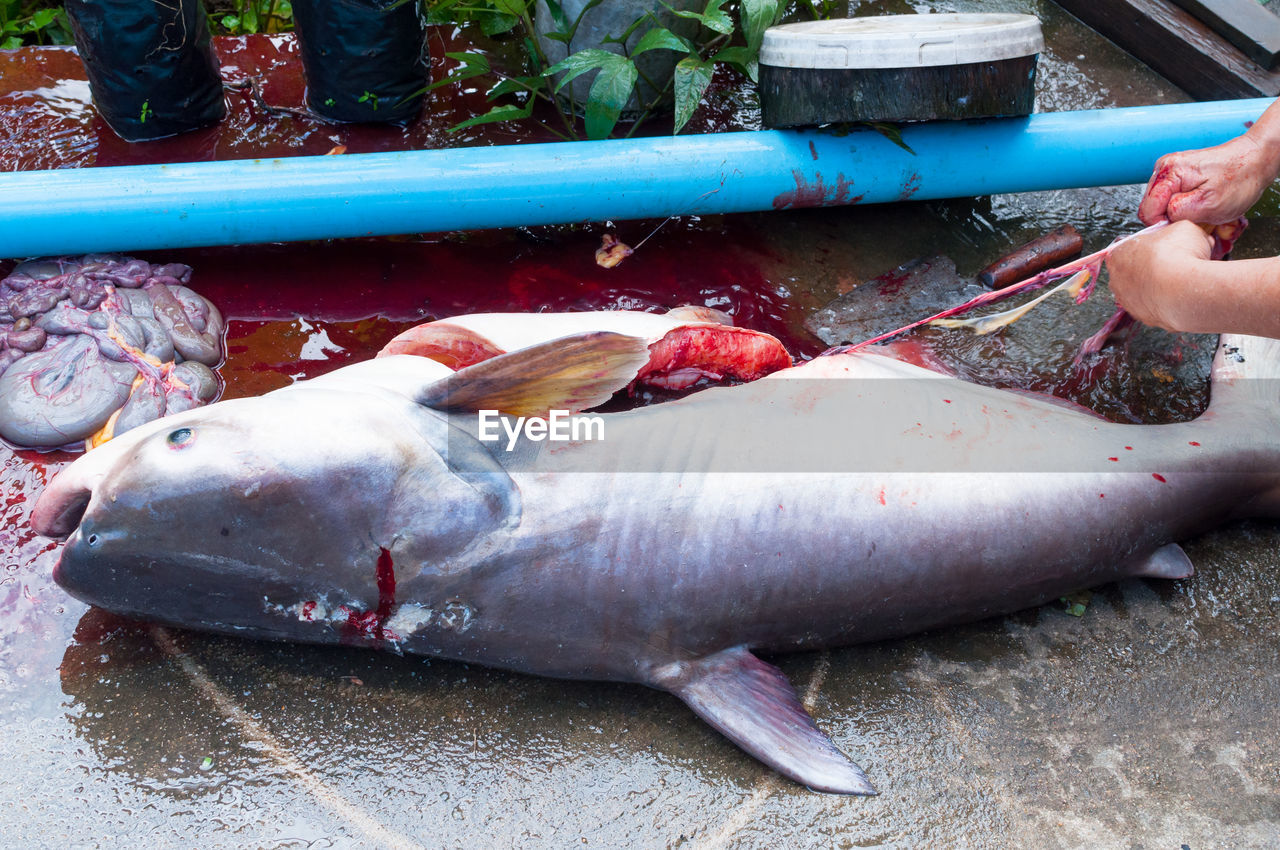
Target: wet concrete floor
(1148,722)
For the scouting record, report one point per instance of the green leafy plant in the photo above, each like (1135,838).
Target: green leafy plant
(729,34)
(24,22)
(244,17)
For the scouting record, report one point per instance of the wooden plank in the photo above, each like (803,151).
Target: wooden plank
(1178,47)
(1244,23)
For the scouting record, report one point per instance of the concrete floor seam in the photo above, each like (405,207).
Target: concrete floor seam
(250,728)
(969,748)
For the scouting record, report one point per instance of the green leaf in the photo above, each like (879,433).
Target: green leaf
(609,93)
(647,17)
(496,24)
(577,64)
(661,38)
(10,43)
(231,23)
(577,22)
(40,20)
(1077,603)
(498,113)
(758,16)
(891,132)
(515,8)
(692,77)
(514,85)
(713,17)
(742,58)
(558,17)
(249,17)
(469,65)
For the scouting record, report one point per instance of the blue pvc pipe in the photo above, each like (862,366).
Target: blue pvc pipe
(131,208)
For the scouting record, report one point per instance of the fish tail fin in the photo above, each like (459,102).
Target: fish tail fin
(1244,395)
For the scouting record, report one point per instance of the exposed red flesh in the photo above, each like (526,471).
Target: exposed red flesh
(686,354)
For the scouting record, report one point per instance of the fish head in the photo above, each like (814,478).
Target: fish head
(210,517)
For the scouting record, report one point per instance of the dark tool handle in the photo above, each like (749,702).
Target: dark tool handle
(1035,256)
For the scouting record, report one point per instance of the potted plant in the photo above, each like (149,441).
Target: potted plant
(606,59)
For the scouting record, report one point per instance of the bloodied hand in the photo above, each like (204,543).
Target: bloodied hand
(1218,184)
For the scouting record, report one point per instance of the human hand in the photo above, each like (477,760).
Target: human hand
(1151,275)
(1212,185)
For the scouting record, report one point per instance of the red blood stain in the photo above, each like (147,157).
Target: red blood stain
(1128,448)
(881,496)
(1193,443)
(947,400)
(307,609)
(813,151)
(891,282)
(1157,476)
(910,187)
(1102,495)
(361,623)
(386,585)
(1116,459)
(370,624)
(815,194)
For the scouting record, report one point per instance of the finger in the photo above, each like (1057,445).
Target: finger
(1187,206)
(1154,205)
(1200,239)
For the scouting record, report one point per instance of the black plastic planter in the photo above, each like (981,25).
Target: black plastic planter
(899,68)
(365,60)
(151,67)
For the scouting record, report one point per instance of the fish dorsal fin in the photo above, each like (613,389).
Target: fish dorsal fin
(572,373)
(1169,561)
(753,705)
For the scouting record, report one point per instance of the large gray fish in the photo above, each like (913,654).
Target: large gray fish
(853,498)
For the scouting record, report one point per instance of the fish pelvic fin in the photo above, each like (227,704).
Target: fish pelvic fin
(1169,561)
(572,373)
(752,704)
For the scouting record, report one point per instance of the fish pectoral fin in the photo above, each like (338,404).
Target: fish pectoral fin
(1169,561)
(753,705)
(571,373)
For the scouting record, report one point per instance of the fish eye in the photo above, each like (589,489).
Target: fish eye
(181,438)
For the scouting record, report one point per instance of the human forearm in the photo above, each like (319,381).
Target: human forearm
(1212,296)
(1167,278)
(1265,132)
